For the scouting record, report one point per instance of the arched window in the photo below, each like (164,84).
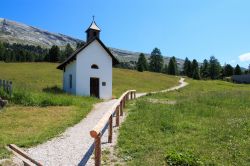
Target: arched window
(94,66)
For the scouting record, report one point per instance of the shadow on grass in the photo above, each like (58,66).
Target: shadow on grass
(54,89)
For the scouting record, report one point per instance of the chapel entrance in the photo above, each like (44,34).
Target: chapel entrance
(94,87)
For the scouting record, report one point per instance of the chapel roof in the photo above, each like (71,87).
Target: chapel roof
(72,57)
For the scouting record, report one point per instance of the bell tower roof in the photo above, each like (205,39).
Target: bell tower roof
(93,26)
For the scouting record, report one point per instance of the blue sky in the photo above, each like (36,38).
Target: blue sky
(181,28)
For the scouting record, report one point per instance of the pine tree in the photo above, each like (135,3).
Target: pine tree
(195,70)
(187,68)
(142,63)
(172,66)
(165,69)
(228,70)
(68,51)
(2,50)
(156,61)
(237,70)
(54,54)
(214,68)
(205,69)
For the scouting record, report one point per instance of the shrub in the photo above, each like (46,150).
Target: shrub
(174,158)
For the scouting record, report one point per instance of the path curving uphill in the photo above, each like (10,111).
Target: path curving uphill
(75,145)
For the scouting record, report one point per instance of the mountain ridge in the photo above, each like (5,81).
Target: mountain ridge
(15,32)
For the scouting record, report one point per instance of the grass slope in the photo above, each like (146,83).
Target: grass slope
(209,124)
(39,76)
(37,114)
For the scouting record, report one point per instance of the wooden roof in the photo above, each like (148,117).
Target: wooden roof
(72,57)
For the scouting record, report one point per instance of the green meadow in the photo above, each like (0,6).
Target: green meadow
(39,110)
(205,123)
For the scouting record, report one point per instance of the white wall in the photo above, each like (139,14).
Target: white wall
(94,54)
(70,69)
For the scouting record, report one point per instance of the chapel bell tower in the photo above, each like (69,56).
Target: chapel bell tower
(93,31)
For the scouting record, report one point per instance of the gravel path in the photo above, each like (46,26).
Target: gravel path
(75,145)
(110,147)
(70,148)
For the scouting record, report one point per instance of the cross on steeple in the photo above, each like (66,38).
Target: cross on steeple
(93,31)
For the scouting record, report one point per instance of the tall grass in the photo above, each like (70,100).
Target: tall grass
(209,125)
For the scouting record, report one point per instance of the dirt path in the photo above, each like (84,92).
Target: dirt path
(182,84)
(75,145)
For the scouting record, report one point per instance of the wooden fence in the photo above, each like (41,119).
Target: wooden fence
(6,86)
(117,111)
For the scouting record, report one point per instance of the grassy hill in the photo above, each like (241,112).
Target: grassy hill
(39,109)
(206,123)
(37,77)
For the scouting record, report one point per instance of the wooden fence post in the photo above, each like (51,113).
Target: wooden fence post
(121,108)
(10,88)
(124,102)
(134,95)
(4,85)
(0,84)
(7,87)
(131,95)
(110,129)
(117,116)
(98,151)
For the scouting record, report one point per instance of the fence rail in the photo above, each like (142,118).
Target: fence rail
(117,111)
(6,85)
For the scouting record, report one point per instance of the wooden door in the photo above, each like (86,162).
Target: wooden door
(94,87)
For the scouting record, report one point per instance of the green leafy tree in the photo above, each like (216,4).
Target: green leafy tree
(54,54)
(172,66)
(142,63)
(228,70)
(237,70)
(156,61)
(195,70)
(214,68)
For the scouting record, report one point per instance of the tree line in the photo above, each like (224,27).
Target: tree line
(29,53)
(209,69)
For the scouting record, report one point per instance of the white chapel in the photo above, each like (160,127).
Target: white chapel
(88,71)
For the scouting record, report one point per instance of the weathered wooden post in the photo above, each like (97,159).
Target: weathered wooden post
(121,108)
(131,95)
(110,129)
(4,85)
(7,87)
(124,102)
(0,84)
(117,116)
(98,151)
(134,94)
(10,88)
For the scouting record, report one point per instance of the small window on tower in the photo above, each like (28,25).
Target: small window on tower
(94,66)
(94,34)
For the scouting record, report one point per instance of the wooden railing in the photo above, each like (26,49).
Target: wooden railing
(6,86)
(117,111)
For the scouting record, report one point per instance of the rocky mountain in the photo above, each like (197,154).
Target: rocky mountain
(14,32)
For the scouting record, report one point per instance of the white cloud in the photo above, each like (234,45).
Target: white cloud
(245,57)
